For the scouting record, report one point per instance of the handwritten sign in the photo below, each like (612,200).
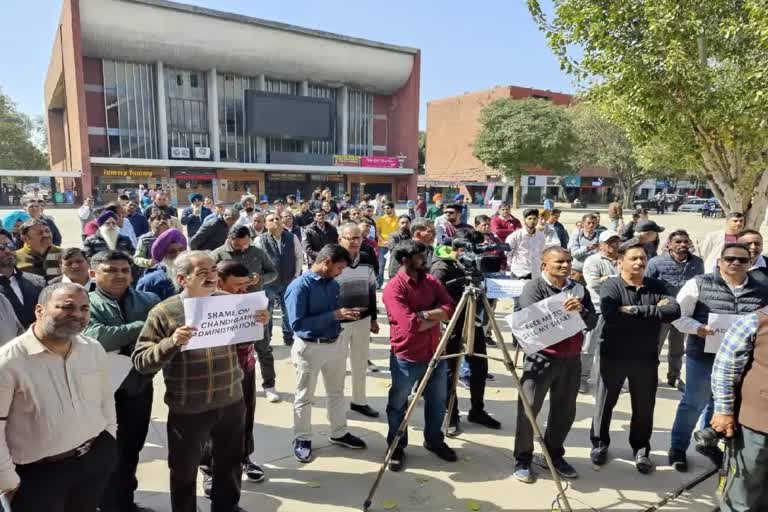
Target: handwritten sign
(224,319)
(544,324)
(503,288)
(720,323)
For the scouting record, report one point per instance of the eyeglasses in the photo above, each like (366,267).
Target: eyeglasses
(733,259)
(353,238)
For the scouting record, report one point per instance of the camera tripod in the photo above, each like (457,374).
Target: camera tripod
(473,294)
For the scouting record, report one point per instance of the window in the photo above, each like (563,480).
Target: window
(360,125)
(187,106)
(179,80)
(193,80)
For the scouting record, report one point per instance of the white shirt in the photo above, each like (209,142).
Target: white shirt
(16,288)
(524,256)
(687,298)
(53,404)
(127,230)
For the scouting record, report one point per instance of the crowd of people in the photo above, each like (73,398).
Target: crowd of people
(71,440)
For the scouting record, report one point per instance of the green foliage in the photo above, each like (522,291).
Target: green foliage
(684,76)
(515,134)
(17,151)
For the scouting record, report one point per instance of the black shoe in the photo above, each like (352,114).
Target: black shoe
(599,455)
(365,410)
(443,451)
(643,463)
(454,428)
(253,472)
(397,462)
(483,418)
(348,441)
(134,507)
(564,469)
(302,450)
(678,460)
(288,343)
(524,472)
(207,485)
(490,377)
(490,341)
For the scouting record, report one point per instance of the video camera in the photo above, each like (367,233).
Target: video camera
(474,259)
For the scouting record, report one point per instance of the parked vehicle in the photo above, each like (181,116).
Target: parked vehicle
(695,205)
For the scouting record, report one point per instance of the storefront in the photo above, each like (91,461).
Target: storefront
(233,185)
(193,182)
(110,183)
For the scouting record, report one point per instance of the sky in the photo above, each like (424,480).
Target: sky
(466,46)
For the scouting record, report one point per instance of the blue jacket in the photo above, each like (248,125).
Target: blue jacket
(139,223)
(156,281)
(665,268)
(193,222)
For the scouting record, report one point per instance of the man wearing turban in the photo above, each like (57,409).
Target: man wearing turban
(160,279)
(193,216)
(107,237)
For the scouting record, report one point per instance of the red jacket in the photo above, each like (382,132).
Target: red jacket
(503,228)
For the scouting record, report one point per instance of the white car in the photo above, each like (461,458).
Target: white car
(693,205)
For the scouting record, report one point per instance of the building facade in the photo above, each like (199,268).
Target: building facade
(195,100)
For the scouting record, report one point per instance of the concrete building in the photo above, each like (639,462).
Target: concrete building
(197,100)
(452,126)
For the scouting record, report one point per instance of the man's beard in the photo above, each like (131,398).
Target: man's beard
(170,269)
(62,329)
(110,236)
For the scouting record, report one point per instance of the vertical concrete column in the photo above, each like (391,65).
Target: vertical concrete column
(261,142)
(343,106)
(213,114)
(304,91)
(162,115)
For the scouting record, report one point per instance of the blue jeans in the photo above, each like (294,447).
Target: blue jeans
(405,375)
(383,251)
(696,399)
(276,295)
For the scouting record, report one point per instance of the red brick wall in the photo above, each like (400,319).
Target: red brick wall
(94,105)
(403,124)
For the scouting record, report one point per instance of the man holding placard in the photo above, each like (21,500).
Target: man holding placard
(709,304)
(633,307)
(555,369)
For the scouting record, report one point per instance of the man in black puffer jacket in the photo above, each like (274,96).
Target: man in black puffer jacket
(317,235)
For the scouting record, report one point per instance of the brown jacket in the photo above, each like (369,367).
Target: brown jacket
(753,411)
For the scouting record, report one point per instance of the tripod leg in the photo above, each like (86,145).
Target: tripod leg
(468,342)
(415,398)
(529,411)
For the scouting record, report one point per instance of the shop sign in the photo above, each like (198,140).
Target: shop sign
(331,178)
(385,162)
(201,177)
(132,173)
(571,181)
(286,176)
(346,160)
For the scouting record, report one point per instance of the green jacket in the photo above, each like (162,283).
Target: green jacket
(255,259)
(117,329)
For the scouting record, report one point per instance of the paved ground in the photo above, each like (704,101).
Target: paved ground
(481,480)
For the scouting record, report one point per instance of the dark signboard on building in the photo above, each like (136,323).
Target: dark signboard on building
(286,116)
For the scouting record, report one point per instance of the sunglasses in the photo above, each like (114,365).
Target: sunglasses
(732,259)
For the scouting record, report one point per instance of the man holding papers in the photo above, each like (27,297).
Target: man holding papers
(203,390)
(555,369)
(633,307)
(727,291)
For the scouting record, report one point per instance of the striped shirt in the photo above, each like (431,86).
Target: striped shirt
(357,283)
(44,265)
(731,360)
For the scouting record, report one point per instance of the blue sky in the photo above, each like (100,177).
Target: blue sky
(466,46)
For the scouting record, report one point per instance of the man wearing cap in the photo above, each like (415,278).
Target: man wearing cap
(193,216)
(38,255)
(160,279)
(710,247)
(676,267)
(729,290)
(213,233)
(647,233)
(598,268)
(526,246)
(108,237)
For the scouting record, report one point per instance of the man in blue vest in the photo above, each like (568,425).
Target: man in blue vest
(729,290)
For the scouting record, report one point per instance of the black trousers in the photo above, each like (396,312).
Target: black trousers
(133,416)
(71,485)
(643,381)
(559,377)
(187,434)
(249,398)
(478,367)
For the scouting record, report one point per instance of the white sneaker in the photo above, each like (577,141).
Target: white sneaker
(271,395)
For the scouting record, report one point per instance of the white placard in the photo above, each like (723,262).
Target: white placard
(503,288)
(544,324)
(119,368)
(224,319)
(720,323)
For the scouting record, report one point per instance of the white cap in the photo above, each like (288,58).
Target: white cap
(607,235)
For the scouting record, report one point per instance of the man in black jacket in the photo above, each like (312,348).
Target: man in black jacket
(447,271)
(633,308)
(317,235)
(555,370)
(160,201)
(213,233)
(20,288)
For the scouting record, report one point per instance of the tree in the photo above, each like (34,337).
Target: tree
(516,134)
(685,74)
(602,143)
(17,151)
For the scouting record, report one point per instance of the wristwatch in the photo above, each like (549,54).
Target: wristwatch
(424,315)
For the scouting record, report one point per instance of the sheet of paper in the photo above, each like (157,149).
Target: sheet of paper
(224,319)
(496,288)
(720,323)
(544,324)
(119,368)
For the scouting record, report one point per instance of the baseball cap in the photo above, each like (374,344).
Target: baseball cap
(648,225)
(607,235)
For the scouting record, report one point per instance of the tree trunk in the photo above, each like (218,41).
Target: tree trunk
(517,192)
(753,205)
